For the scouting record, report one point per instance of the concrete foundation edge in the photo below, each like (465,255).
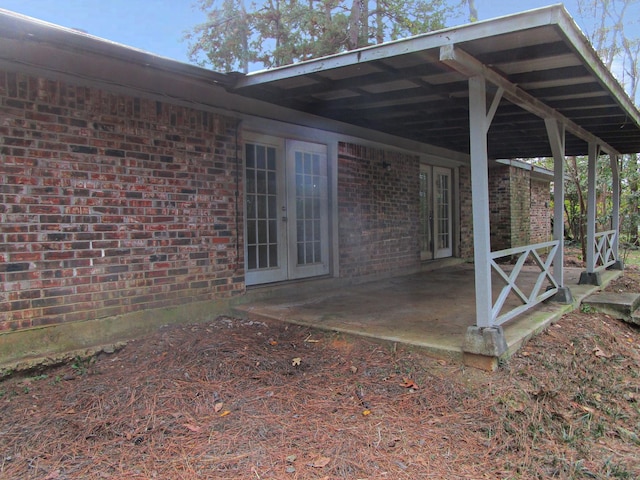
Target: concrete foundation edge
(590,278)
(481,362)
(26,349)
(483,347)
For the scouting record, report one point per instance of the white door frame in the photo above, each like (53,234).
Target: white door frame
(443,213)
(267,210)
(439,228)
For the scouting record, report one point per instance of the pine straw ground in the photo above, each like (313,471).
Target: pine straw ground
(240,399)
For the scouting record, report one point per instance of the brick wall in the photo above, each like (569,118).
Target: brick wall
(519,211)
(466,214)
(540,223)
(111,204)
(500,207)
(520,186)
(378,211)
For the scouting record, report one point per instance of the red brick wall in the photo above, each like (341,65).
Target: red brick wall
(466,214)
(111,204)
(520,207)
(519,211)
(378,211)
(500,207)
(540,223)
(509,207)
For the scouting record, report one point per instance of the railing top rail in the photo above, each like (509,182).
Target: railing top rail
(524,248)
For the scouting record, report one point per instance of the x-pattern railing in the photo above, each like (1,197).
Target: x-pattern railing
(537,294)
(603,246)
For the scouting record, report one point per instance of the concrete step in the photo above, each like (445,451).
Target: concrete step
(635,317)
(619,305)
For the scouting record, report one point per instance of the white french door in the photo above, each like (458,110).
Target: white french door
(435,212)
(442,221)
(286,205)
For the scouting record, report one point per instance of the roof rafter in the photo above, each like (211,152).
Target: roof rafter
(469,66)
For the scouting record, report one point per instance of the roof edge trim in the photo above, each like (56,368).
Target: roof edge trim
(24,28)
(426,41)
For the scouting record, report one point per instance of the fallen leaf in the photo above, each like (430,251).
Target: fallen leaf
(291,458)
(320,462)
(584,408)
(193,428)
(353,369)
(408,383)
(272,342)
(296,362)
(225,413)
(442,362)
(366,412)
(599,353)
(217,407)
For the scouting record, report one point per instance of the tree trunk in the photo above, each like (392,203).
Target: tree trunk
(379,22)
(582,217)
(354,24)
(473,11)
(245,39)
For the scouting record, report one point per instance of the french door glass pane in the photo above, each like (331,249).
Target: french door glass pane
(443,198)
(261,189)
(425,220)
(308,197)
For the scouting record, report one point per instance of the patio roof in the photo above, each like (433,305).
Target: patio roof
(417,88)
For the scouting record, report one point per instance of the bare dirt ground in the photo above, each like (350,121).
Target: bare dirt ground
(239,399)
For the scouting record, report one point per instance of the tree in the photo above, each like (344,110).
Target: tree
(279,32)
(224,38)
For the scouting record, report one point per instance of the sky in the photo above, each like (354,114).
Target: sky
(158,26)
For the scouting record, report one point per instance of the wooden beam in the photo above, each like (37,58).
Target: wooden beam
(469,66)
(479,124)
(555,132)
(615,198)
(591,207)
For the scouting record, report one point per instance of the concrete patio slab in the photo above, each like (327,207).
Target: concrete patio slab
(430,310)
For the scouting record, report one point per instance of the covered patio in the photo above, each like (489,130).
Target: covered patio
(523,86)
(430,310)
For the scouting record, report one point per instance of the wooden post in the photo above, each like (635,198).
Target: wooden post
(480,199)
(590,276)
(591,208)
(556,135)
(615,220)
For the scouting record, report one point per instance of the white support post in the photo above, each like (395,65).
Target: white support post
(590,276)
(591,208)
(479,127)
(556,134)
(615,214)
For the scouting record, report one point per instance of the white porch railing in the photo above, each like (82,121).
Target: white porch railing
(510,277)
(603,249)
